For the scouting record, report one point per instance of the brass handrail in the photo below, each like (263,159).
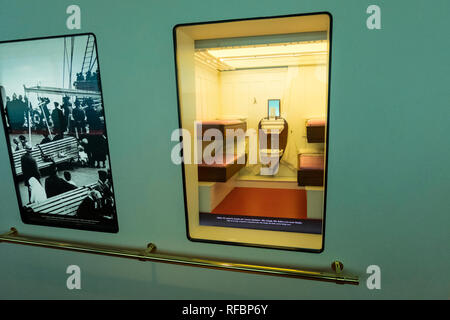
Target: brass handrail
(149,254)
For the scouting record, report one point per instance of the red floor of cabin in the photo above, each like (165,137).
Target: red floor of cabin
(264,202)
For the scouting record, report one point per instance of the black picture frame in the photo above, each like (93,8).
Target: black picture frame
(99,224)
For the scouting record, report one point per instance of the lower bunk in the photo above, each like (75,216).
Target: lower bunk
(221,172)
(310,170)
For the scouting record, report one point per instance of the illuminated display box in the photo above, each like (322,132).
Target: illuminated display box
(248,91)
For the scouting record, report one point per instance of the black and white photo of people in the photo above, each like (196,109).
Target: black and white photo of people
(54,122)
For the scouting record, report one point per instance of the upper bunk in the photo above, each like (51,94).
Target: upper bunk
(315,130)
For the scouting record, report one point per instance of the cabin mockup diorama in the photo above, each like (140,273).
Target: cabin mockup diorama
(253,104)
(53,115)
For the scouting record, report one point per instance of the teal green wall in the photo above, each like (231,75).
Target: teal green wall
(389,174)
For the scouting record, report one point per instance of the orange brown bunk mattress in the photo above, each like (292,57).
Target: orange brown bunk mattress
(315,130)
(222,170)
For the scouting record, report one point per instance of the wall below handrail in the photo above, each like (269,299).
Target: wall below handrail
(150,254)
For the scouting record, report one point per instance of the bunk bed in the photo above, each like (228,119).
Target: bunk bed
(228,166)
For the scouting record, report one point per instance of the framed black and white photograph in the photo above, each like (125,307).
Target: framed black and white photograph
(54,122)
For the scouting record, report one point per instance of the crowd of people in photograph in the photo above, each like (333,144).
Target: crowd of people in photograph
(88,76)
(88,81)
(97,205)
(82,120)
